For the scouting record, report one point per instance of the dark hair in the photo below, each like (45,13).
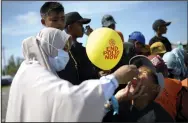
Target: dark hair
(51,6)
(131,41)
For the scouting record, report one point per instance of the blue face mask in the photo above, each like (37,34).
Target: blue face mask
(60,61)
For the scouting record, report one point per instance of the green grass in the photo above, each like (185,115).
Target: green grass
(5,86)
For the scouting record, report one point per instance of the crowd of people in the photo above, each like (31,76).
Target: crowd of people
(58,82)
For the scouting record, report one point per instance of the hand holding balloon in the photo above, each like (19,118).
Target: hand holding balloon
(104,73)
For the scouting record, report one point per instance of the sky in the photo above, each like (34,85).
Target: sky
(21,19)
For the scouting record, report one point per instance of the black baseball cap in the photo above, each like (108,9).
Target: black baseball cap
(73,17)
(159,23)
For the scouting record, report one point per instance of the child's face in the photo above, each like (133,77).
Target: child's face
(151,89)
(55,20)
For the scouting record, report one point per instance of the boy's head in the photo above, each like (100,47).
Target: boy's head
(108,21)
(160,26)
(52,14)
(152,80)
(138,39)
(158,48)
(74,24)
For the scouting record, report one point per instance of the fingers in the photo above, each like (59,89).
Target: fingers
(137,87)
(129,84)
(140,93)
(134,71)
(126,73)
(103,73)
(127,89)
(132,66)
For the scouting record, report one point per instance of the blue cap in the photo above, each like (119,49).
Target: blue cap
(137,36)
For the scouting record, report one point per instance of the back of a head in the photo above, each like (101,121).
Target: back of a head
(179,52)
(44,45)
(157,48)
(129,49)
(170,60)
(48,7)
(107,20)
(47,39)
(176,67)
(138,36)
(54,37)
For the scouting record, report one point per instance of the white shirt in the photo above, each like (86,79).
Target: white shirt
(37,95)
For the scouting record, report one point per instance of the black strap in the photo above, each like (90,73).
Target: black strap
(75,64)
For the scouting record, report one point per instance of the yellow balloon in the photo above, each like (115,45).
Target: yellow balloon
(104,48)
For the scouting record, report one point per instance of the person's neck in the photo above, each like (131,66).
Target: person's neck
(139,104)
(74,38)
(158,34)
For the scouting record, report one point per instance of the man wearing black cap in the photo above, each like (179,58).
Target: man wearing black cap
(85,70)
(159,26)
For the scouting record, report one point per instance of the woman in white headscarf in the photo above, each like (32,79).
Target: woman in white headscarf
(38,94)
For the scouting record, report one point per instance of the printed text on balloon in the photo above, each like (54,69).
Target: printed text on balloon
(111,52)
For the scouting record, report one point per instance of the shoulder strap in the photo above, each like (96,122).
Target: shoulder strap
(75,64)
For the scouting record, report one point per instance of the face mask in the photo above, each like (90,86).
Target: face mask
(60,61)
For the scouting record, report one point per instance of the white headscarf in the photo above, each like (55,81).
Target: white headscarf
(38,47)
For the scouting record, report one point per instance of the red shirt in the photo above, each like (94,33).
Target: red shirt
(121,35)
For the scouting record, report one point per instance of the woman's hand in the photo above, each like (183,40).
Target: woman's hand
(104,73)
(126,73)
(130,92)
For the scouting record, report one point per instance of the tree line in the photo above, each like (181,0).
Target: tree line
(12,66)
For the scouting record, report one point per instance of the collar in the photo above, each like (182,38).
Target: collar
(76,43)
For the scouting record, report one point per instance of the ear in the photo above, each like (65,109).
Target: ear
(69,27)
(158,28)
(43,22)
(136,43)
